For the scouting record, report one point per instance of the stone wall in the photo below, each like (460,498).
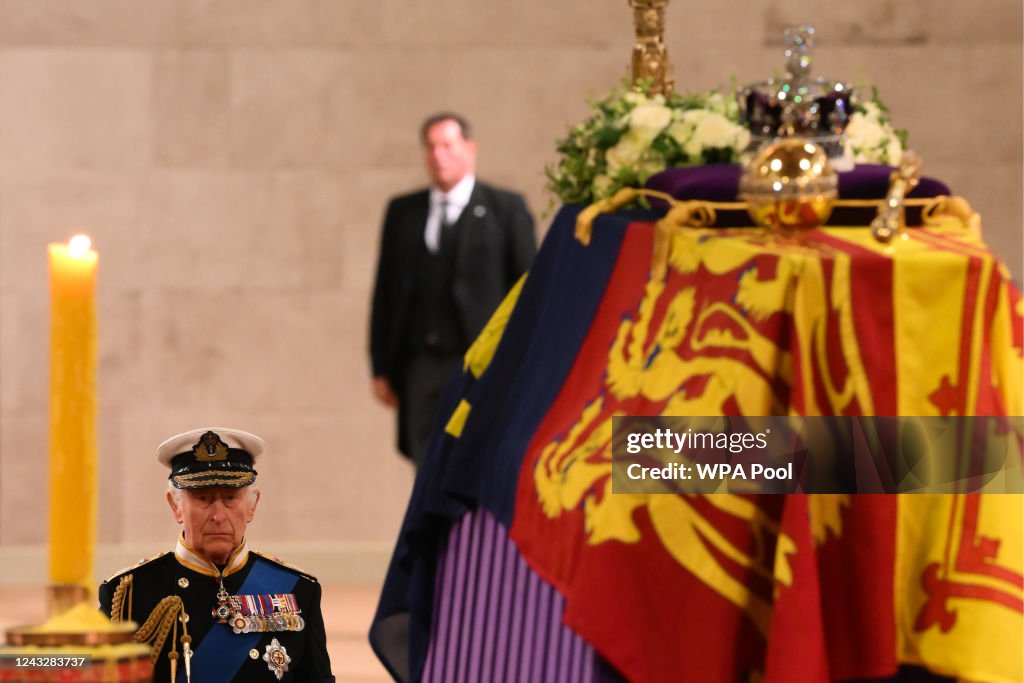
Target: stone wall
(231,161)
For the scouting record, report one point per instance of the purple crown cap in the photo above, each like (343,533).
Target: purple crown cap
(797,105)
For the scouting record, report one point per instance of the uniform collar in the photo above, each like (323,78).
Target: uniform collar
(189,557)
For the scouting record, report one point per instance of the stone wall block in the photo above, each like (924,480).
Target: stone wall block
(74,109)
(191,109)
(281,101)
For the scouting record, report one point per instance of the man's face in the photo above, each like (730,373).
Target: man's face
(214,519)
(449,156)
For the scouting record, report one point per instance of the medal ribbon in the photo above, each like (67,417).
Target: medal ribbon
(246,605)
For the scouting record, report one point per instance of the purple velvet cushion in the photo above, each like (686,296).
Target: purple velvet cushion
(713,183)
(720,183)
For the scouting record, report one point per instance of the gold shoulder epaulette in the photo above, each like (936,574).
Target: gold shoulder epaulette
(278,561)
(125,570)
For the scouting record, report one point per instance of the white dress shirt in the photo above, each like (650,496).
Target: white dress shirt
(455,200)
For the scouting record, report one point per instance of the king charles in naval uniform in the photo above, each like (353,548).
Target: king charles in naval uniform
(215,610)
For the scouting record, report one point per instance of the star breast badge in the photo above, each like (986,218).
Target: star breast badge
(277,658)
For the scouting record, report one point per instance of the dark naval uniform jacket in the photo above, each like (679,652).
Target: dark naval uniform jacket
(281,653)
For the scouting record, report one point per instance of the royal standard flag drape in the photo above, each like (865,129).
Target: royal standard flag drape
(725,587)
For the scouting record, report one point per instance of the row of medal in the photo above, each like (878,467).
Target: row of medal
(272,623)
(264,613)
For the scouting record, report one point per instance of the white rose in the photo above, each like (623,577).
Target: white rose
(686,128)
(713,131)
(680,131)
(629,149)
(742,141)
(894,151)
(650,163)
(863,133)
(649,119)
(624,154)
(857,154)
(636,141)
(871,110)
(694,116)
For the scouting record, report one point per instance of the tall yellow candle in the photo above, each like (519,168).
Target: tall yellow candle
(73,479)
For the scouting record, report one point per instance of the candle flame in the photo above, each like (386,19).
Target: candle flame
(79,245)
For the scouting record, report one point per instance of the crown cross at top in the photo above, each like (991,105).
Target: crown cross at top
(799,105)
(210,448)
(798,41)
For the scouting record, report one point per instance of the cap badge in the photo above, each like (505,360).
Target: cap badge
(210,448)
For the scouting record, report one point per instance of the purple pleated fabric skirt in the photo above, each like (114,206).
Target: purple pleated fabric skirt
(496,620)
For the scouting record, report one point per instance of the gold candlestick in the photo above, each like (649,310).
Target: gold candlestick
(650,56)
(93,649)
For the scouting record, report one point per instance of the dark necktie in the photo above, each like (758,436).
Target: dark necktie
(446,226)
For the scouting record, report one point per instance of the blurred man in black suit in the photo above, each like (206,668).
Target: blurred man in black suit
(448,255)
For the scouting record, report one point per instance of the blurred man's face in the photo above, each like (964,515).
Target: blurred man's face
(214,519)
(449,156)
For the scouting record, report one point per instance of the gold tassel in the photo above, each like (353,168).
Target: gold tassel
(173,654)
(587,216)
(186,646)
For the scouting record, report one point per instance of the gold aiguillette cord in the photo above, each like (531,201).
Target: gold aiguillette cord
(165,616)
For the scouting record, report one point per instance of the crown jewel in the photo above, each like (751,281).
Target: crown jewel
(797,105)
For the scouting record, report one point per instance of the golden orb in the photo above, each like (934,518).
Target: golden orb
(789,186)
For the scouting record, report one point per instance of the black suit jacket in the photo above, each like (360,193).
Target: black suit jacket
(495,246)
